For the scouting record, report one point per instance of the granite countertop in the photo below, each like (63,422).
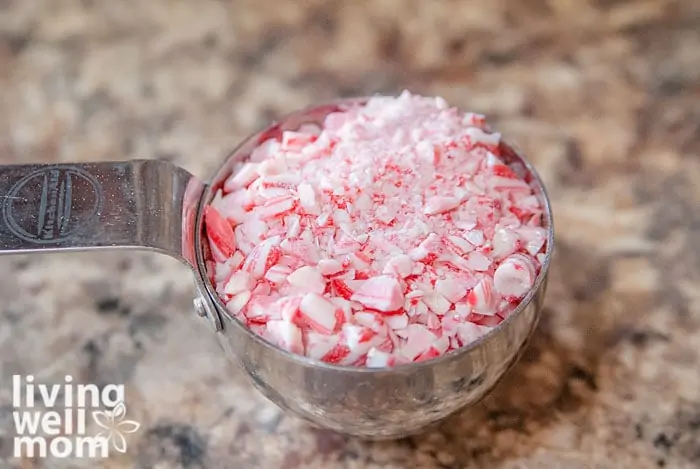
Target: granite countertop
(603,95)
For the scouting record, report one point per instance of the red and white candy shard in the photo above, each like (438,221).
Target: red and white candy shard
(393,234)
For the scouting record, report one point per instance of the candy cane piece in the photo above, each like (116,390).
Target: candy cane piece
(479,136)
(319,345)
(307,198)
(307,279)
(437,303)
(429,246)
(286,335)
(220,232)
(401,266)
(242,178)
(301,249)
(319,313)
(239,282)
(469,332)
(277,274)
(262,257)
(451,289)
(475,237)
(478,262)
(459,245)
(437,205)
(515,276)
(358,338)
(371,320)
(295,141)
(533,237)
(383,293)
(261,309)
(379,359)
(397,321)
(505,242)
(346,288)
(482,298)
(418,341)
(276,207)
(329,266)
(236,304)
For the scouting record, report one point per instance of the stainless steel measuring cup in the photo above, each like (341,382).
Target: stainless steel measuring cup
(154,205)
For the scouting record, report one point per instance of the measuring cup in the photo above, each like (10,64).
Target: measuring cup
(157,206)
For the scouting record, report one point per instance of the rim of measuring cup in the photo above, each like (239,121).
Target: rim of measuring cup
(336,105)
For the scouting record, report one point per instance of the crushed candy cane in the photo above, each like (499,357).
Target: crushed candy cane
(393,234)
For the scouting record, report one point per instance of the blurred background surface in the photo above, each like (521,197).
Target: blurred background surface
(602,95)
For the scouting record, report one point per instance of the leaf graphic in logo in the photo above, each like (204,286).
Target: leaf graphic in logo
(114,425)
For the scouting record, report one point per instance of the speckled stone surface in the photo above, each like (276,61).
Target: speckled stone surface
(604,97)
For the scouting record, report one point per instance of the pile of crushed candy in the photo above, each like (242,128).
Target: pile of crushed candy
(391,235)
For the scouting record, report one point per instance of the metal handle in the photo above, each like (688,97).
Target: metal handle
(146,204)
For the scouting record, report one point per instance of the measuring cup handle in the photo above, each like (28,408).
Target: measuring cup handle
(146,204)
